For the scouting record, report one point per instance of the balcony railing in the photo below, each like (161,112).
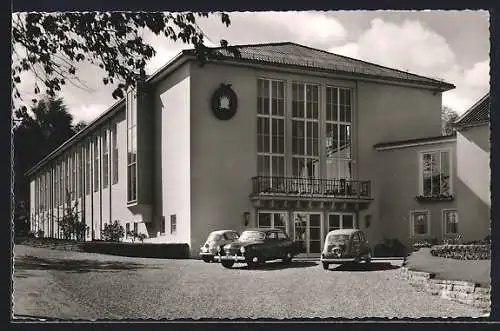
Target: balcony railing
(288,186)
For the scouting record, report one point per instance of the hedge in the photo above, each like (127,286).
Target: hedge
(462,252)
(150,250)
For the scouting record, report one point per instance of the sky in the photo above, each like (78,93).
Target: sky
(449,45)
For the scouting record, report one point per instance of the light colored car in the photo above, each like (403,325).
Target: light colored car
(345,246)
(215,240)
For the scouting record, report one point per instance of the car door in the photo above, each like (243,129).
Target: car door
(284,244)
(271,245)
(365,248)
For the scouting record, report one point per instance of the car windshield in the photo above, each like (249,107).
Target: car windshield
(337,238)
(252,235)
(214,237)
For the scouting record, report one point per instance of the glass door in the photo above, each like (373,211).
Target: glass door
(307,232)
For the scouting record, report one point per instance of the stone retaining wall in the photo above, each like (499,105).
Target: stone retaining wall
(461,291)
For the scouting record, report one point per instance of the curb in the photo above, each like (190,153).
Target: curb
(465,292)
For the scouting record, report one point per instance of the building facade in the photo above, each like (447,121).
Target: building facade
(280,135)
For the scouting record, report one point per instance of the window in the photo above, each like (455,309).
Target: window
(435,174)
(270,128)
(136,227)
(114,154)
(96,166)
(338,145)
(105,159)
(173,224)
(87,168)
(127,229)
(305,130)
(420,223)
(450,220)
(56,185)
(340,221)
(282,236)
(67,182)
(272,220)
(73,177)
(131,146)
(163,225)
(80,171)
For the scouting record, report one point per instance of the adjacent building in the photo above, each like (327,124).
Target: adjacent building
(274,135)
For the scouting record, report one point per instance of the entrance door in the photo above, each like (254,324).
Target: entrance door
(307,232)
(340,221)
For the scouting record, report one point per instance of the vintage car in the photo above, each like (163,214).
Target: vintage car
(216,240)
(256,246)
(345,246)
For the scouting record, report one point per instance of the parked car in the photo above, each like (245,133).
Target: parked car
(345,246)
(216,240)
(257,246)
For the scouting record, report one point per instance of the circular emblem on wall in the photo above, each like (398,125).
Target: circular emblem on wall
(224,102)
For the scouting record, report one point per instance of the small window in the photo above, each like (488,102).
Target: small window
(282,236)
(163,226)
(450,219)
(136,227)
(420,223)
(272,235)
(127,229)
(355,238)
(173,224)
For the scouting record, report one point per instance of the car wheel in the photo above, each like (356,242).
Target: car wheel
(287,259)
(207,259)
(227,263)
(326,265)
(254,262)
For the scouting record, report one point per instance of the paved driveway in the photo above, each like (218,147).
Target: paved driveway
(71,285)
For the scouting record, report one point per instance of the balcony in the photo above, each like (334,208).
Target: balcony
(310,190)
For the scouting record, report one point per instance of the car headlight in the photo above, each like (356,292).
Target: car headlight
(242,250)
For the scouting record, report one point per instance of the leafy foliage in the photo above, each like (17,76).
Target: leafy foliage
(113,232)
(51,45)
(134,235)
(448,117)
(70,224)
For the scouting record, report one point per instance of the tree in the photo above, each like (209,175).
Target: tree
(51,45)
(448,117)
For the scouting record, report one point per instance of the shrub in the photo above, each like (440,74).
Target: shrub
(424,243)
(70,224)
(485,241)
(462,252)
(40,233)
(113,232)
(390,248)
(134,235)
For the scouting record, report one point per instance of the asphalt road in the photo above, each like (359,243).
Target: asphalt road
(72,285)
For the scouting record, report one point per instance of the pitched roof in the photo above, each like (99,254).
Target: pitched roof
(284,53)
(292,54)
(413,142)
(478,114)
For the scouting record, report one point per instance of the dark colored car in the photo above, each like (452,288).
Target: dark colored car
(257,246)
(345,246)
(216,240)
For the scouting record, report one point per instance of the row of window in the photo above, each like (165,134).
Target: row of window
(86,167)
(306,128)
(421,222)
